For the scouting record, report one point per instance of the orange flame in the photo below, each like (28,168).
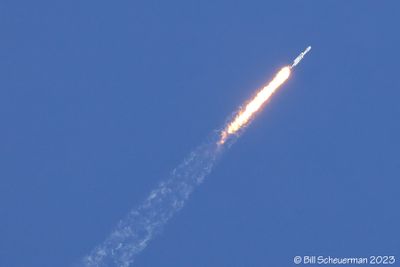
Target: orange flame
(243,117)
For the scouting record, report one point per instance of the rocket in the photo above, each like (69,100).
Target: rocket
(300,57)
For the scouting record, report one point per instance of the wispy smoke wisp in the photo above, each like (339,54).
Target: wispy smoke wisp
(133,233)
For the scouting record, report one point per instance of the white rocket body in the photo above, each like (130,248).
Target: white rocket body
(300,57)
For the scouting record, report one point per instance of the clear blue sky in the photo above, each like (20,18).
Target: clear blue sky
(100,100)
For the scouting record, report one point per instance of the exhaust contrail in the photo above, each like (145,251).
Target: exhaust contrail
(133,233)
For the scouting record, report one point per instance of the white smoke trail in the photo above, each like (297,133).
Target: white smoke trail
(133,233)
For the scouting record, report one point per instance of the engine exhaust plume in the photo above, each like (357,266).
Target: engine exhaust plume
(247,113)
(133,233)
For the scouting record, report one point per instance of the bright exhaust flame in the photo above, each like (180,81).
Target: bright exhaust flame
(244,115)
